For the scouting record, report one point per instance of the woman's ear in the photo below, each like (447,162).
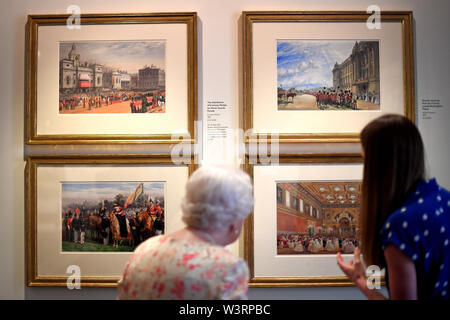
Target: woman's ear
(235,228)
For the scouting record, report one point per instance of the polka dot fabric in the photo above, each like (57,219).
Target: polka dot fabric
(163,268)
(421,229)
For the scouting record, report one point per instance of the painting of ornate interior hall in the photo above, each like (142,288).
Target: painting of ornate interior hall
(317,217)
(112,77)
(328,75)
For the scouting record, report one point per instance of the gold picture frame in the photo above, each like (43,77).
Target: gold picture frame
(252,237)
(250,18)
(36,253)
(32,136)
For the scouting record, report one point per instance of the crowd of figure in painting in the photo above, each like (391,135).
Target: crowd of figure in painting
(342,99)
(332,98)
(140,102)
(115,227)
(298,243)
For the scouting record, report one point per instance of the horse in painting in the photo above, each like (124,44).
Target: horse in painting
(115,230)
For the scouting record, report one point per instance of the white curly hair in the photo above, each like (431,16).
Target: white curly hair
(216,197)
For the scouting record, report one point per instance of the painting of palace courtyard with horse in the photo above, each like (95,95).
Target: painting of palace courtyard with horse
(328,75)
(110,216)
(112,77)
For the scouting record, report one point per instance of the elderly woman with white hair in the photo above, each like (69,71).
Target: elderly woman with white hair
(192,263)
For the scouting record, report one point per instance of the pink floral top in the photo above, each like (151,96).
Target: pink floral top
(166,268)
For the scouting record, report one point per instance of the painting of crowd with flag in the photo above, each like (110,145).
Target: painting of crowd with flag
(110,216)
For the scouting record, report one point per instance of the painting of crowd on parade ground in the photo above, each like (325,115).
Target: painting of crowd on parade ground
(328,75)
(317,217)
(111,216)
(112,77)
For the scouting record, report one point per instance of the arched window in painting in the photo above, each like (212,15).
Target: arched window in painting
(279,195)
(294,203)
(288,199)
(344,225)
(307,210)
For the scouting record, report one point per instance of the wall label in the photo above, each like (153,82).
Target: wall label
(431,108)
(217,119)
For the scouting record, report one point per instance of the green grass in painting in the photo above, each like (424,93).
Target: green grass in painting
(93,247)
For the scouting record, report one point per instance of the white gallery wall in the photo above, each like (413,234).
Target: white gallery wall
(219,79)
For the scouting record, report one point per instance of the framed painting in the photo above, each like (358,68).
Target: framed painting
(322,76)
(294,243)
(117,78)
(90,212)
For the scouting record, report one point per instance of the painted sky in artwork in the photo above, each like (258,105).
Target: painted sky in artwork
(98,191)
(129,56)
(307,64)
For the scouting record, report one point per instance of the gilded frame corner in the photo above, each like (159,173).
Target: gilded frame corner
(33,279)
(249,232)
(250,17)
(33,24)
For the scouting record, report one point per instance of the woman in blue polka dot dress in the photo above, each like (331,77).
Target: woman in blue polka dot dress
(404,218)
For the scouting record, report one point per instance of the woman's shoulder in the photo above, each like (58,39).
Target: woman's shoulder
(430,190)
(188,248)
(427,196)
(151,244)
(428,202)
(214,253)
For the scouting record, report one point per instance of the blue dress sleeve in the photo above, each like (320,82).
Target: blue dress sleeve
(397,230)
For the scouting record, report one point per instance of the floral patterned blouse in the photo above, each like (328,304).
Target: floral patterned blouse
(167,268)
